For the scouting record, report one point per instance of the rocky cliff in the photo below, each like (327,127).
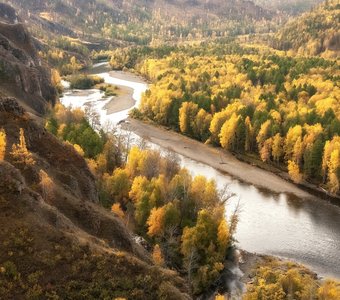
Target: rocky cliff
(22,73)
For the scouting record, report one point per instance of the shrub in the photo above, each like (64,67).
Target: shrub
(84,82)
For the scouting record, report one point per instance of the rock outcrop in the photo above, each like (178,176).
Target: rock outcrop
(8,14)
(22,73)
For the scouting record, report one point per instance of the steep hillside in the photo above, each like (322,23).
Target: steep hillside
(318,32)
(22,73)
(57,242)
(139,21)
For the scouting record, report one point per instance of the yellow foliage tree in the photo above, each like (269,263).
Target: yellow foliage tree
(329,290)
(117,210)
(2,144)
(74,64)
(223,237)
(294,171)
(139,186)
(92,166)
(101,163)
(199,247)
(263,134)
(265,151)
(46,184)
(201,125)
(20,153)
(298,151)
(216,124)
(294,133)
(56,80)
(143,162)
(118,185)
(79,149)
(157,255)
(187,115)
(249,134)
(227,135)
(331,164)
(277,148)
(204,193)
(156,221)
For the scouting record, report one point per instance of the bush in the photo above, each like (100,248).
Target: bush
(110,90)
(84,82)
(135,113)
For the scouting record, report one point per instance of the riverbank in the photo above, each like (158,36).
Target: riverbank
(243,167)
(122,101)
(217,158)
(309,189)
(273,220)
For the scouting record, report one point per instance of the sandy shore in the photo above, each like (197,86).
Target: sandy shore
(127,76)
(124,98)
(120,102)
(217,158)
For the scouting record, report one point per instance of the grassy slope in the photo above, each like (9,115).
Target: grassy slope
(55,239)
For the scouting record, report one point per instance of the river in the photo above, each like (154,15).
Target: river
(304,228)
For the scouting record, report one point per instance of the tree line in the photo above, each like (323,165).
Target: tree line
(283,109)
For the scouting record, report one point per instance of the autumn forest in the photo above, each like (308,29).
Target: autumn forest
(107,109)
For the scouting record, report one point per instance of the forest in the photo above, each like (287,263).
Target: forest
(181,219)
(237,80)
(283,109)
(320,32)
(143,22)
(293,7)
(279,107)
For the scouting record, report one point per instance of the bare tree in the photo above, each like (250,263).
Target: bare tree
(92,116)
(235,218)
(171,163)
(47,185)
(191,264)
(225,194)
(109,127)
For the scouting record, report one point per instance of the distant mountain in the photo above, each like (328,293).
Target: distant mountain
(292,7)
(313,33)
(140,21)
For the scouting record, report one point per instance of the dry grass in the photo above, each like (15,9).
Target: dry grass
(56,243)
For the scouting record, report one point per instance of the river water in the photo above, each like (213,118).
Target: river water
(305,230)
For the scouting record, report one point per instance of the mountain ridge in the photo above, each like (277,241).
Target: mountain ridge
(93,19)
(318,32)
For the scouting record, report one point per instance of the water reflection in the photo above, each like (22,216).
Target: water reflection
(305,230)
(295,203)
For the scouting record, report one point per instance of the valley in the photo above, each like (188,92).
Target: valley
(165,149)
(285,208)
